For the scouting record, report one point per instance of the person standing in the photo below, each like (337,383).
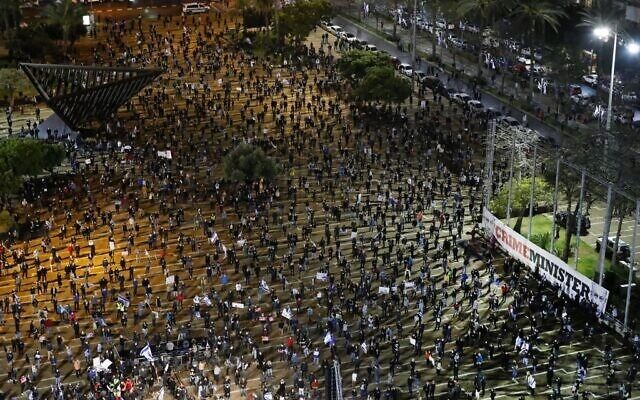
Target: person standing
(531,383)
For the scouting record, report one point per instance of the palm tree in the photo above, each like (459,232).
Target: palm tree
(535,15)
(601,13)
(67,15)
(486,11)
(266,8)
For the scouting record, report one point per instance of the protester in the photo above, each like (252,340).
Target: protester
(366,251)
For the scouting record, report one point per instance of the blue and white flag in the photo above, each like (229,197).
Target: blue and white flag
(123,300)
(146,352)
(328,339)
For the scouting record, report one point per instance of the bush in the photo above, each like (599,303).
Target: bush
(248,163)
(542,240)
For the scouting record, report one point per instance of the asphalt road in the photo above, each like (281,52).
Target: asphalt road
(487,99)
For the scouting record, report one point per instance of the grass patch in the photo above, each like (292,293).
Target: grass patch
(587,255)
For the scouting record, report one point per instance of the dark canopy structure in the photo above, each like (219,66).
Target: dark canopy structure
(83,94)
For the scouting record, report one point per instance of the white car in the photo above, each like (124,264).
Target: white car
(195,8)
(509,122)
(335,29)
(538,69)
(472,28)
(351,38)
(591,79)
(405,69)
(458,42)
(476,107)
(524,60)
(371,47)
(461,98)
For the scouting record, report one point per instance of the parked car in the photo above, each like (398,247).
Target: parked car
(491,42)
(394,61)
(371,47)
(195,8)
(461,98)
(538,69)
(472,28)
(458,42)
(524,60)
(476,107)
(493,113)
(420,76)
(432,82)
(591,79)
(562,217)
(508,122)
(629,97)
(405,69)
(624,251)
(335,29)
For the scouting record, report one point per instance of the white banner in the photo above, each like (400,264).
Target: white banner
(551,268)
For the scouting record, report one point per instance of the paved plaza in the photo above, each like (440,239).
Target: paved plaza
(366,249)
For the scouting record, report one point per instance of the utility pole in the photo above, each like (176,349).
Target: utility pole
(555,206)
(488,183)
(605,235)
(513,150)
(533,191)
(579,222)
(632,264)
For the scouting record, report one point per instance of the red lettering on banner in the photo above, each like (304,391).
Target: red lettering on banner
(512,242)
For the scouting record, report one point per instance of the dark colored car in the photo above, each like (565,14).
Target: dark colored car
(431,82)
(585,223)
(624,251)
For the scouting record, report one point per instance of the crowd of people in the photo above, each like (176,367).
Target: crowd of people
(365,250)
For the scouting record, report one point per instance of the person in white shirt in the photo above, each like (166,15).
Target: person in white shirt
(531,383)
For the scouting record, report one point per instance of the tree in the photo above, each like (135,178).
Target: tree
(9,182)
(25,157)
(486,11)
(11,16)
(52,156)
(6,221)
(520,196)
(382,84)
(248,163)
(68,16)
(257,13)
(566,66)
(536,14)
(354,64)
(14,82)
(298,19)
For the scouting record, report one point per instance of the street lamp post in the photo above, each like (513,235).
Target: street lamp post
(603,33)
